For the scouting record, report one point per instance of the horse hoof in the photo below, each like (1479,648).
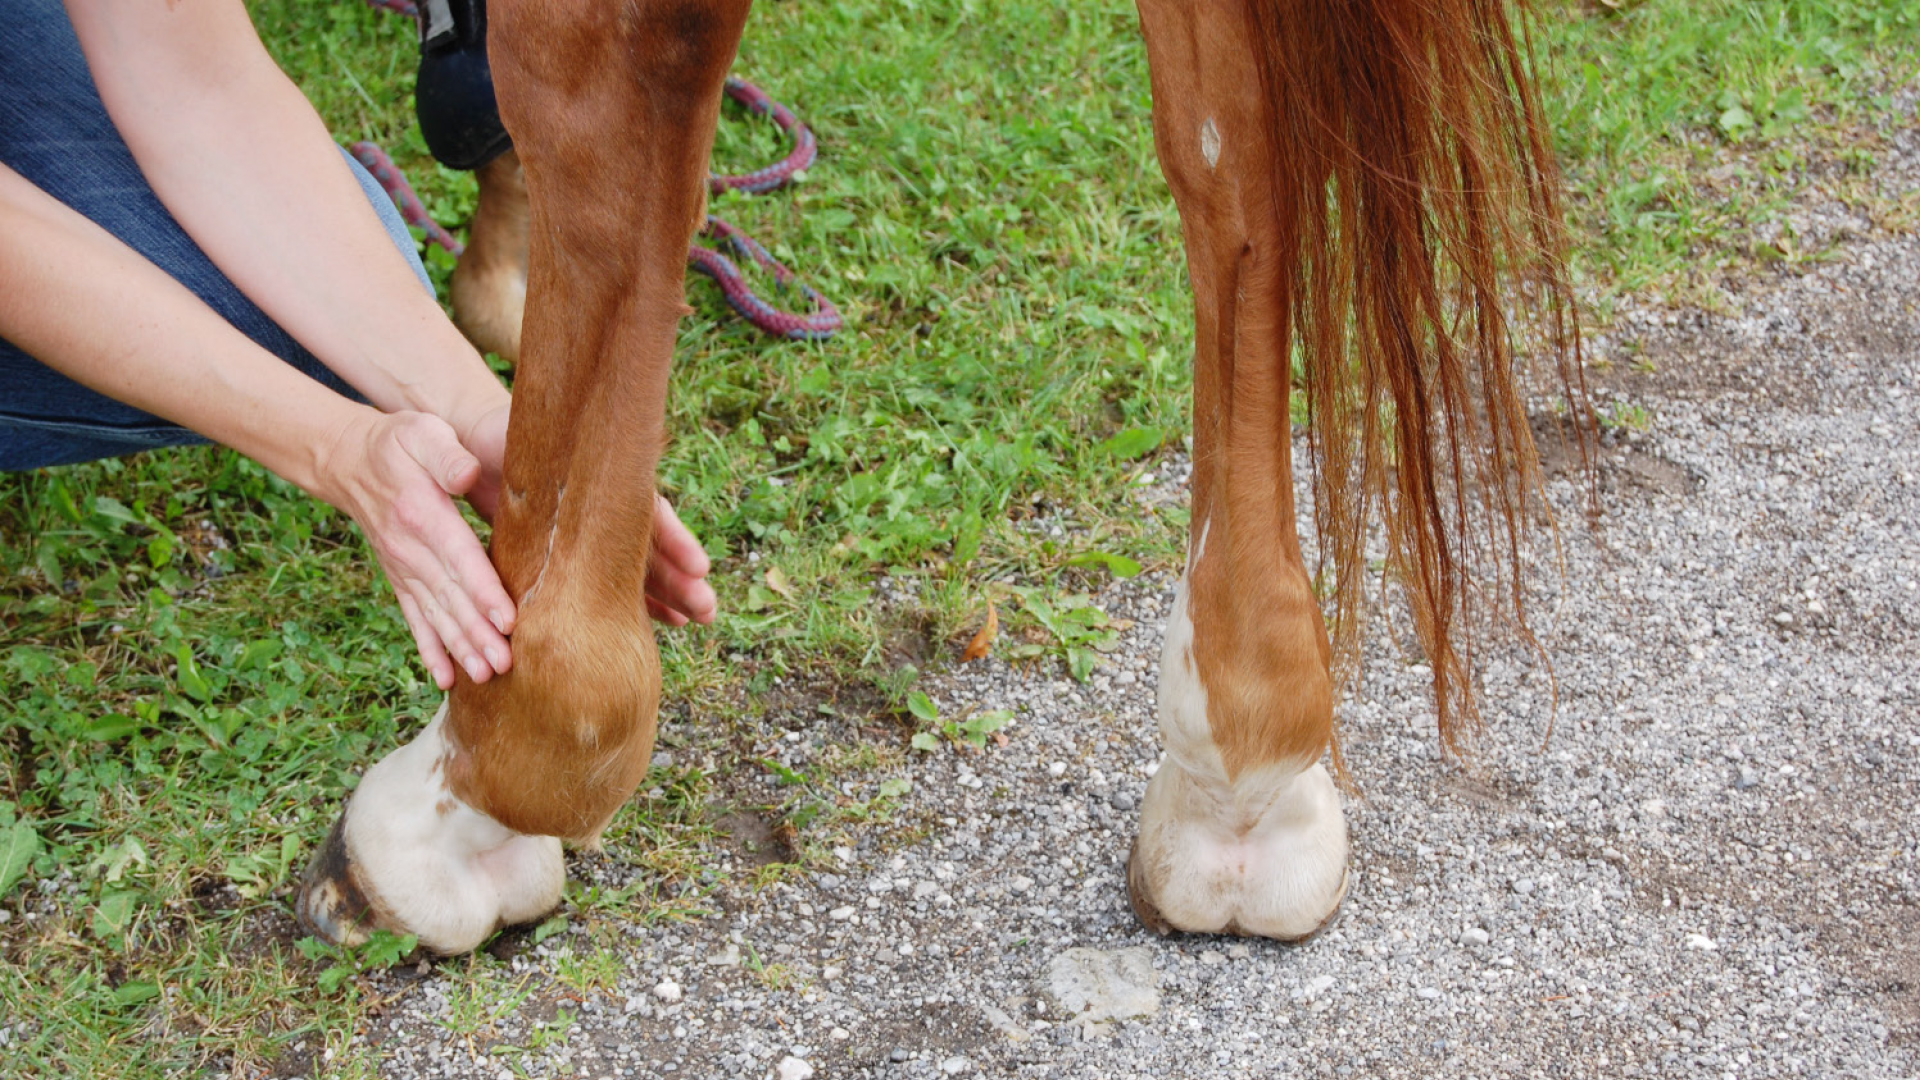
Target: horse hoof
(410,857)
(332,906)
(1266,857)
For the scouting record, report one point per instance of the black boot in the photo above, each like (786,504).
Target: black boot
(453,95)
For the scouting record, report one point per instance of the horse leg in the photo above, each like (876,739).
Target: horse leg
(612,108)
(1241,830)
(489,284)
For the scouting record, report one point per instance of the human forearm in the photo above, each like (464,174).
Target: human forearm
(246,166)
(84,303)
(87,305)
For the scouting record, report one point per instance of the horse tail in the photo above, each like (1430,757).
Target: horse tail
(1414,183)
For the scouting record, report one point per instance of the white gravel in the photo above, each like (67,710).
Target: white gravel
(1707,869)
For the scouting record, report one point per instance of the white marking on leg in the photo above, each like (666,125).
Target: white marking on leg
(1185,732)
(447,872)
(546,560)
(1264,853)
(1210,142)
(1199,551)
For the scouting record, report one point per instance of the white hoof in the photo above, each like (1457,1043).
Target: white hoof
(408,856)
(1265,856)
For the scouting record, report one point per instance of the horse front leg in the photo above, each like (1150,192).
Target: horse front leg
(1241,829)
(612,107)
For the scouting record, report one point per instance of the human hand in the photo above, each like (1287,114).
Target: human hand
(486,439)
(677,589)
(395,474)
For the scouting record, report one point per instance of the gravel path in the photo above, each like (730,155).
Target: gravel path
(1708,869)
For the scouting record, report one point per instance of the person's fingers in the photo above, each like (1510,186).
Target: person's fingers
(433,444)
(478,639)
(465,563)
(439,609)
(663,614)
(682,593)
(432,653)
(677,591)
(675,543)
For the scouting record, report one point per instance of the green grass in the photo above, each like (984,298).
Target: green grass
(1684,125)
(199,660)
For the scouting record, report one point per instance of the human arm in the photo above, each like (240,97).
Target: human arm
(242,161)
(79,300)
(247,167)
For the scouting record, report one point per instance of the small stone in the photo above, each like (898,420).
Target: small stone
(1784,618)
(1523,886)
(842,913)
(1058,768)
(1701,943)
(728,956)
(667,991)
(792,1068)
(955,1065)
(1020,884)
(1095,985)
(1748,778)
(1123,800)
(840,1033)
(1429,993)
(1004,1024)
(1475,936)
(898,1054)
(1319,986)
(1212,959)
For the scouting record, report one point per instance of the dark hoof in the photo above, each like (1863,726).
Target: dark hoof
(332,905)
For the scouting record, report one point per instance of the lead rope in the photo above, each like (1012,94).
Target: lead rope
(817,324)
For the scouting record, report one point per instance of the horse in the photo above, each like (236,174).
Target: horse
(1371,218)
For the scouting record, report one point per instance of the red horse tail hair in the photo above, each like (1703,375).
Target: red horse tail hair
(1415,181)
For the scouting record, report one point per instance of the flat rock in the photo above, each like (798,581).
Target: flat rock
(1100,985)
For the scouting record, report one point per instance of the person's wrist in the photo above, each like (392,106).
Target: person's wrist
(467,413)
(332,468)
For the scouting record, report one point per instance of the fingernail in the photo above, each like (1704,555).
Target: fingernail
(478,670)
(499,620)
(497,656)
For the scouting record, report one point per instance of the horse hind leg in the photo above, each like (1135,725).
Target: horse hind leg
(1241,830)
(489,284)
(410,856)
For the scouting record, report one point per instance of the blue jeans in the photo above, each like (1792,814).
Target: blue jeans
(54,131)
